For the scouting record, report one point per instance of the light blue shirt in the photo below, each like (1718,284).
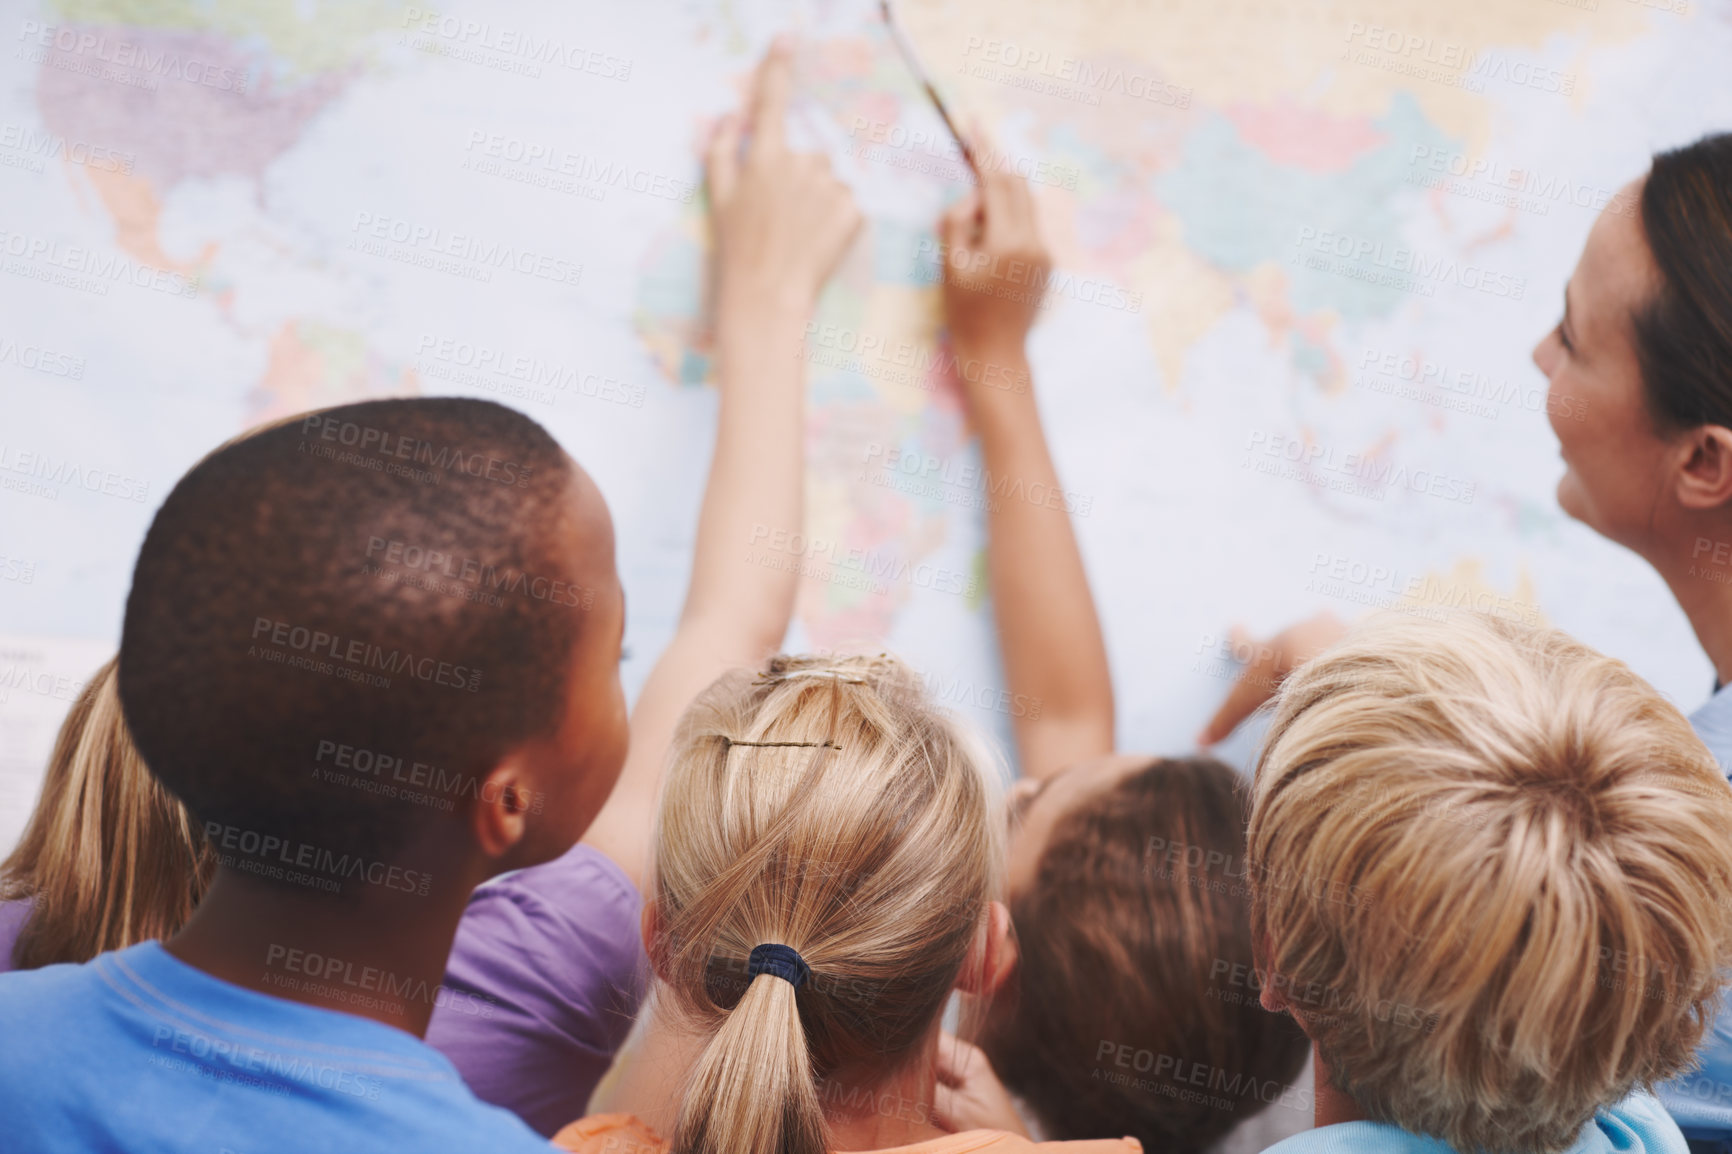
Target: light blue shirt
(1702,1101)
(1637,1125)
(1713,724)
(138,1051)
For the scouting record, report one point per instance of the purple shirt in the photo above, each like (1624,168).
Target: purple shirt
(545,977)
(13,915)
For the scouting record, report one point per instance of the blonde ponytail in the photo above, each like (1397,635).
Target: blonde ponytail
(109,858)
(753,1090)
(825,807)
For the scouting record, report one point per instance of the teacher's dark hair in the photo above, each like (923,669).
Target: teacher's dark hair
(1684,332)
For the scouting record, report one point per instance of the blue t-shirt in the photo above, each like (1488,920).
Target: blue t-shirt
(1701,1101)
(138,1051)
(1637,1125)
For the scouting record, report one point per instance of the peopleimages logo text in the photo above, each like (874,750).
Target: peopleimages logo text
(74,474)
(103,268)
(363,654)
(431,239)
(1421,267)
(451,458)
(479,573)
(269,849)
(95,44)
(520,43)
(1022,280)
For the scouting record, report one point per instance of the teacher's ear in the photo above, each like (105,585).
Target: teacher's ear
(1705,480)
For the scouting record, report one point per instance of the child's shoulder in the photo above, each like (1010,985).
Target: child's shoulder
(1004,1142)
(609,1134)
(47,990)
(624,1134)
(1125,1145)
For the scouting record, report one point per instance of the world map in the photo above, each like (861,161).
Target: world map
(1302,251)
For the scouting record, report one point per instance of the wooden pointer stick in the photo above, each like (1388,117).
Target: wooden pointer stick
(913,62)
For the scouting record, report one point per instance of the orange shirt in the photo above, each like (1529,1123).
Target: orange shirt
(624,1134)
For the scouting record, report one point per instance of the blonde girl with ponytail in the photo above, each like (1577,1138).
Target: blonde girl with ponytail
(828,854)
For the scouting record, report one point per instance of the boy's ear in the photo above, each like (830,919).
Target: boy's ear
(994,955)
(499,814)
(1269,993)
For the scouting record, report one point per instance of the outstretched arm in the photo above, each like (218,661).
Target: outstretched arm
(1267,665)
(1054,658)
(781,221)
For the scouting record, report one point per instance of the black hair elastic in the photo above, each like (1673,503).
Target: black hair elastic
(784,962)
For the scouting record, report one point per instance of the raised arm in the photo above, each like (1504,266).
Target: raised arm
(1050,636)
(1267,665)
(781,222)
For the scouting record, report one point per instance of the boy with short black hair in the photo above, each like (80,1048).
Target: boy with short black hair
(261,637)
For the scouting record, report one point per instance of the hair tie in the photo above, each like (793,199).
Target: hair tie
(782,961)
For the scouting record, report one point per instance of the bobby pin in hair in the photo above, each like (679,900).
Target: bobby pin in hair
(828,674)
(730,742)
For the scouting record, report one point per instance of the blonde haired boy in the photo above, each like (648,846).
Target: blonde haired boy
(1489,867)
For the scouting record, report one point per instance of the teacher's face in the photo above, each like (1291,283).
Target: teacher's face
(1615,461)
